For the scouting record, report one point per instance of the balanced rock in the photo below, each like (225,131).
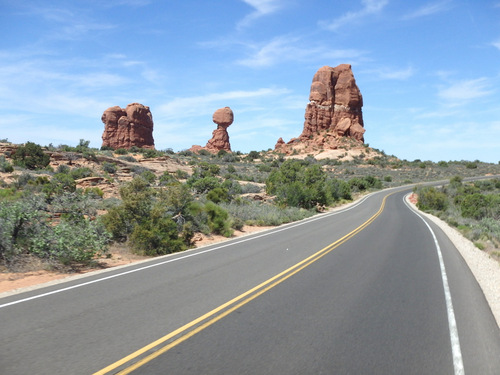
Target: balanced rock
(223,117)
(333,111)
(128,127)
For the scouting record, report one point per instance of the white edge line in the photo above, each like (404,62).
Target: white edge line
(268,233)
(458,364)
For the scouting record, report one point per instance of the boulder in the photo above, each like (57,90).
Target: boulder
(128,127)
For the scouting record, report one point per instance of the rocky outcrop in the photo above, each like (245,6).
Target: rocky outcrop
(334,111)
(128,127)
(223,117)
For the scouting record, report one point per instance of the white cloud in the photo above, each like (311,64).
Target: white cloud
(261,8)
(287,48)
(465,91)
(207,104)
(370,7)
(496,44)
(429,9)
(387,73)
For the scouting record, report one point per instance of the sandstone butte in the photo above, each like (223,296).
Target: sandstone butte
(223,117)
(128,127)
(332,114)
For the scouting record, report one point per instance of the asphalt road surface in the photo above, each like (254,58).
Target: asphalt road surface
(370,289)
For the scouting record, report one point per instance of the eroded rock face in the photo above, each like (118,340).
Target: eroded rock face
(128,127)
(333,111)
(335,103)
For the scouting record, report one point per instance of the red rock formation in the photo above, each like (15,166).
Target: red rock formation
(334,110)
(125,128)
(223,117)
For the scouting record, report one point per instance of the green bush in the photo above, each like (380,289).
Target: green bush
(218,219)
(109,167)
(157,235)
(475,206)
(31,156)
(5,166)
(429,198)
(218,194)
(298,184)
(204,185)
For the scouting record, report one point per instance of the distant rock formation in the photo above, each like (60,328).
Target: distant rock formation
(223,117)
(125,128)
(334,111)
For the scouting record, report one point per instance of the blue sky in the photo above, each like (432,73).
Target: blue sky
(429,71)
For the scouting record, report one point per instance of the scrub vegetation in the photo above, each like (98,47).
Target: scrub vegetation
(66,205)
(471,207)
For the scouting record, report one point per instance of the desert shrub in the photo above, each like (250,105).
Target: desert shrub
(262,214)
(429,198)
(63,168)
(25,228)
(149,176)
(18,222)
(78,173)
(252,155)
(166,179)
(23,179)
(250,188)
(10,194)
(121,151)
(365,183)
(479,206)
(218,194)
(218,219)
(128,158)
(93,192)
(471,165)
(298,185)
(5,166)
(151,153)
(109,167)
(31,156)
(338,189)
(157,235)
(74,206)
(60,183)
(181,175)
(75,242)
(204,185)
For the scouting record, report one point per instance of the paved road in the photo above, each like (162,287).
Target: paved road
(358,291)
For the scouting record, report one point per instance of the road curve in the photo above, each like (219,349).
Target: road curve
(371,289)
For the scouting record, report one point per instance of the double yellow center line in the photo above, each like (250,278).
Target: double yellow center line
(155,349)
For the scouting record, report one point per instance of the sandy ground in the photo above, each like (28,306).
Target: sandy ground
(485,269)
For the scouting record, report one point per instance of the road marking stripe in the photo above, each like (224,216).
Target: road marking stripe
(218,313)
(456,351)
